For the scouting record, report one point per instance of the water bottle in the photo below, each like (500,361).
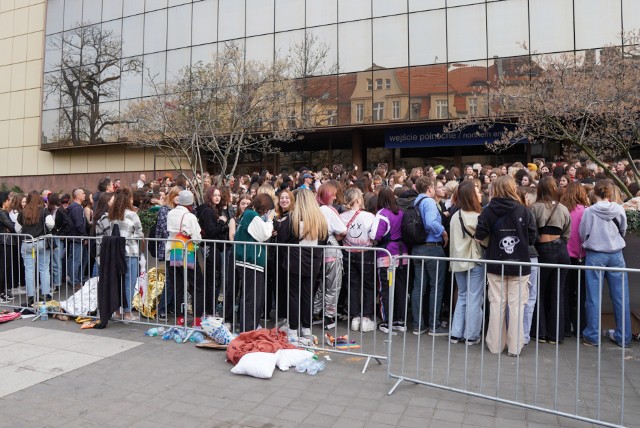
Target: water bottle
(304,365)
(153,332)
(196,337)
(315,367)
(44,315)
(168,335)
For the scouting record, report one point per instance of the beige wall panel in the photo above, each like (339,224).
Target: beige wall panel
(18,76)
(38,1)
(33,78)
(21,3)
(133,160)
(32,132)
(97,159)
(29,161)
(4,161)
(17,105)
(35,43)
(20,21)
(6,5)
(5,104)
(61,162)
(149,160)
(78,161)
(5,51)
(4,134)
(14,164)
(16,132)
(114,158)
(5,78)
(19,53)
(32,103)
(6,24)
(36,17)
(45,163)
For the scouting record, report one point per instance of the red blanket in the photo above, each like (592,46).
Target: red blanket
(262,340)
(9,316)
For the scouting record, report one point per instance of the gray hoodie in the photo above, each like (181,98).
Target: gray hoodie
(598,232)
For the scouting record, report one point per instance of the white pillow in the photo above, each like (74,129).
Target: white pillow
(256,364)
(288,358)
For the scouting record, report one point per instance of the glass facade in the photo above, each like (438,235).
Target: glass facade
(386,61)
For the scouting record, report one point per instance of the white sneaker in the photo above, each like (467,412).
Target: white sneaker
(355,324)
(293,336)
(305,332)
(367,325)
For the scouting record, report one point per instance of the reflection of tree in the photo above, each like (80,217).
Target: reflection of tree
(590,103)
(90,72)
(220,110)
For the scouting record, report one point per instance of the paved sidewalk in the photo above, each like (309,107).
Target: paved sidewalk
(128,379)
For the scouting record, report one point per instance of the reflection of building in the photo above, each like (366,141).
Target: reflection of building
(399,65)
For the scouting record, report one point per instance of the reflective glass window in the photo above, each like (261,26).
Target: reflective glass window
(427,84)
(177,60)
(51,99)
(179,27)
(466,33)
(289,14)
(132,7)
(260,49)
(155,5)
(508,27)
(350,10)
(451,3)
(205,22)
(389,7)
(178,2)
(131,85)
(321,12)
(390,41)
(259,17)
(52,53)
(111,9)
(92,11)
(598,23)
(110,111)
(232,24)
(631,14)
(72,14)
(55,16)
(419,5)
(551,25)
(154,71)
(204,53)
(431,26)
(113,27)
(323,43)
(354,46)
(132,35)
(50,126)
(155,31)
(467,83)
(288,42)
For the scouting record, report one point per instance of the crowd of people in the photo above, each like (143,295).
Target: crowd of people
(332,222)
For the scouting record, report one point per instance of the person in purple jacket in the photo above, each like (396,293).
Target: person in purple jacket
(387,232)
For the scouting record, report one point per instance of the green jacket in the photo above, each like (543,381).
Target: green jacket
(251,256)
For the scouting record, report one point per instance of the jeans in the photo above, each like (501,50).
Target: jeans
(467,318)
(130,281)
(77,252)
(618,292)
(531,302)
(57,256)
(30,253)
(429,275)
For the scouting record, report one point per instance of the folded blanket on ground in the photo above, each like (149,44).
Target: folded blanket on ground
(263,340)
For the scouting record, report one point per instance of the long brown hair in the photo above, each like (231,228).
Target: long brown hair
(33,210)
(466,197)
(547,190)
(121,202)
(16,202)
(505,187)
(387,199)
(575,195)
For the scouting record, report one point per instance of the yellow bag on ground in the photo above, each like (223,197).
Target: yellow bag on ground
(147,303)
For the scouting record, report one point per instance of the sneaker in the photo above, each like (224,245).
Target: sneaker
(512,355)
(367,324)
(384,327)
(282,323)
(540,339)
(589,343)
(329,323)
(9,296)
(3,298)
(472,342)
(399,326)
(439,331)
(305,332)
(342,316)
(317,319)
(162,317)
(611,335)
(454,339)
(419,330)
(355,324)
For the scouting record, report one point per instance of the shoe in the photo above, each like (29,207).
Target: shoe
(317,319)
(399,326)
(588,343)
(3,298)
(541,339)
(355,324)
(342,316)
(472,342)
(512,355)
(162,317)
(329,323)
(48,297)
(305,332)
(439,331)
(384,327)
(282,324)
(7,296)
(551,342)
(367,325)
(454,339)
(419,330)
(611,335)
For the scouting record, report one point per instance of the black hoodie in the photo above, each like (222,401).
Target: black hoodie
(405,200)
(511,231)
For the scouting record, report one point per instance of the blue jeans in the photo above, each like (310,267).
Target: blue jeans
(530,305)
(618,292)
(429,275)
(130,281)
(57,256)
(77,252)
(468,311)
(30,253)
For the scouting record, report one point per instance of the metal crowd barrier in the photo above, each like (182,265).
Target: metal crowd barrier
(590,384)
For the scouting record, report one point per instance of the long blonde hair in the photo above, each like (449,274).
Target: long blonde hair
(306,210)
(505,187)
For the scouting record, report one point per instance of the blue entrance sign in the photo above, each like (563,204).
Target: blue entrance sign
(434,136)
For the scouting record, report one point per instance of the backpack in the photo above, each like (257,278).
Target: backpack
(63,223)
(152,247)
(413,231)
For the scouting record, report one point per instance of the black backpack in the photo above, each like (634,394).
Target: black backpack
(413,231)
(63,223)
